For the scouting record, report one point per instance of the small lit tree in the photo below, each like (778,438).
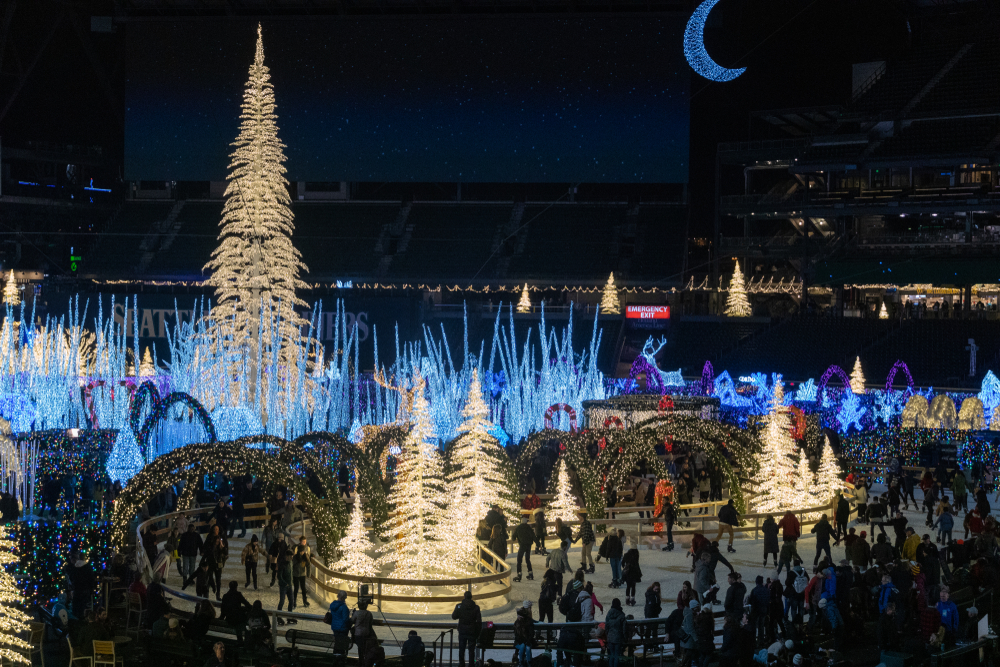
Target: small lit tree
(524,305)
(828,476)
(737,305)
(857,377)
(609,300)
(883,313)
(564,505)
(147,368)
(804,487)
(355,546)
(11,295)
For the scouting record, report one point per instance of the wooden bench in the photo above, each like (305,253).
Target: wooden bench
(317,648)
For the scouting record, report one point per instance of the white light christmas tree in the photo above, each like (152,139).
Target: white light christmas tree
(563,506)
(13,621)
(524,305)
(737,305)
(478,459)
(883,314)
(146,367)
(857,377)
(255,269)
(609,300)
(775,477)
(804,482)
(418,499)
(827,476)
(11,295)
(355,546)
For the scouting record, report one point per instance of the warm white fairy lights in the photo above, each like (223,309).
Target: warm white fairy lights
(13,621)
(857,377)
(255,269)
(355,547)
(776,475)
(737,304)
(609,299)
(11,295)
(524,305)
(564,506)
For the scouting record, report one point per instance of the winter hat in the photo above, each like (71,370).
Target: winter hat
(822,603)
(759,580)
(527,604)
(253,538)
(797,660)
(864,534)
(693,604)
(789,644)
(973,611)
(173,622)
(577,585)
(914,568)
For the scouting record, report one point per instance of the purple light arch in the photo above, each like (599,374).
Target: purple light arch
(834,369)
(900,365)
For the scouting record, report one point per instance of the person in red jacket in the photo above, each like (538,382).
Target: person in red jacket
(531,501)
(789,525)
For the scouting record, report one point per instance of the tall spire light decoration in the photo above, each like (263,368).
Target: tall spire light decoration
(255,269)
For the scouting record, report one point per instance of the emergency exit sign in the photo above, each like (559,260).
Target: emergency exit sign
(647,312)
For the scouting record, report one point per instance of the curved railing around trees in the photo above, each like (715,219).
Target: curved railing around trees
(331,582)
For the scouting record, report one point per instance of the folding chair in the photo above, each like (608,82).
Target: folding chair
(104,654)
(36,639)
(136,609)
(74,658)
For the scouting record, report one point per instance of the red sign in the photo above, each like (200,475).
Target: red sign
(647,312)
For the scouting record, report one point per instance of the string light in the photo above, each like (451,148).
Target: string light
(827,476)
(564,506)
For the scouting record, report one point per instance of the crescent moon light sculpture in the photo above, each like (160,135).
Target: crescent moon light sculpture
(694,47)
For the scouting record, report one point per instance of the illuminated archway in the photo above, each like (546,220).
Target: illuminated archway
(834,369)
(160,409)
(900,365)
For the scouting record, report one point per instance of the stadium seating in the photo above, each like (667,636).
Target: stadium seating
(449,242)
(570,241)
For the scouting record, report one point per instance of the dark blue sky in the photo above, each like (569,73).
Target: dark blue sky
(474,99)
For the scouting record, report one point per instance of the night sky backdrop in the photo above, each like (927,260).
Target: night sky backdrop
(466,98)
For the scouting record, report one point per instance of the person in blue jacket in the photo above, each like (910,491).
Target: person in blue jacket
(949,615)
(339,618)
(886,593)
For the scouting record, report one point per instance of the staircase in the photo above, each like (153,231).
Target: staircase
(169,226)
(935,79)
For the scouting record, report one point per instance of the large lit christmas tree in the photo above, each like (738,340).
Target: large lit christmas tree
(13,621)
(828,476)
(775,477)
(609,299)
(355,546)
(564,505)
(478,458)
(11,295)
(524,305)
(418,498)
(857,377)
(255,269)
(737,305)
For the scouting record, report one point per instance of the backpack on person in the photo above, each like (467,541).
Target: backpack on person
(800,583)
(571,607)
